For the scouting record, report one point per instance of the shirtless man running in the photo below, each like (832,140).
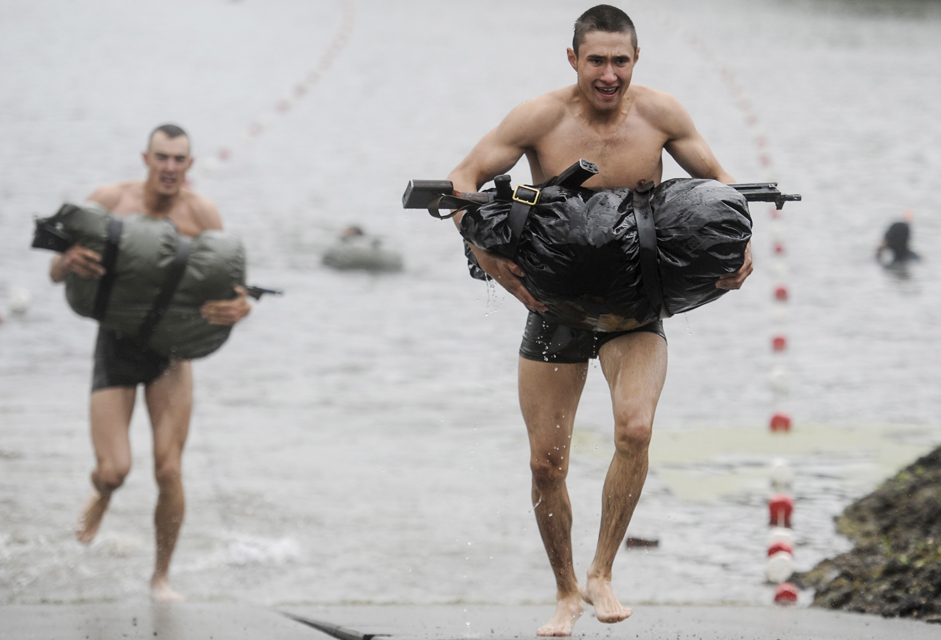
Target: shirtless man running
(623,128)
(121,364)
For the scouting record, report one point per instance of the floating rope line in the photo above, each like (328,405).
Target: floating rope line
(780,558)
(301,88)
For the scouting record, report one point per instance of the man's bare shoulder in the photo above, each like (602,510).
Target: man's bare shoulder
(204,212)
(111,195)
(535,117)
(661,110)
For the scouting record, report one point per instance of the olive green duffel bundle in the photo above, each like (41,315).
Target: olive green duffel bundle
(156,280)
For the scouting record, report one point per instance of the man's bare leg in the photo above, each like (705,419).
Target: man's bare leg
(635,366)
(170,403)
(549,395)
(110,416)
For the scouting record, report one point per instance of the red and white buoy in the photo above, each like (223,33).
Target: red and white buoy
(780,508)
(785,593)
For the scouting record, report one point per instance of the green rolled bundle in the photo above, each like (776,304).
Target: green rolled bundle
(146,253)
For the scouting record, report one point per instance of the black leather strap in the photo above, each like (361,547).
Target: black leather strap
(519,213)
(162,302)
(109,258)
(649,257)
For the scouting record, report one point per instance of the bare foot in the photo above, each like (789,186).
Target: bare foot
(90,518)
(600,595)
(566,613)
(160,591)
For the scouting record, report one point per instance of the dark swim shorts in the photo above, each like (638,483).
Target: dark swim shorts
(121,361)
(547,342)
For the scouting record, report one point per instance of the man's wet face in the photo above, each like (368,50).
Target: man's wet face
(168,160)
(604,64)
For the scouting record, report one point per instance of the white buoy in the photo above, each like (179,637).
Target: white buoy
(20,300)
(782,475)
(779,379)
(780,567)
(780,534)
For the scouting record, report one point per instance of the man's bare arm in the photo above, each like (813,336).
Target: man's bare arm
(686,144)
(690,150)
(495,154)
(78,259)
(221,312)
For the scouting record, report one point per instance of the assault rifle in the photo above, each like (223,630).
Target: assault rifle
(440,194)
(258,292)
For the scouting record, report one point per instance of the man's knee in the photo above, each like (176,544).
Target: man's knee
(548,472)
(109,477)
(167,473)
(632,430)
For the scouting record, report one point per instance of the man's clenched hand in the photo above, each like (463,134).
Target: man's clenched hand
(509,275)
(227,312)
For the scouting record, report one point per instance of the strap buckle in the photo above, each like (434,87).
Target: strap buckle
(526,195)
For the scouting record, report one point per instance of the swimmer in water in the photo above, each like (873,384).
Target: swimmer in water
(623,128)
(121,364)
(896,240)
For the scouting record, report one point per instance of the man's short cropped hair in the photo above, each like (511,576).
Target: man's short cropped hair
(169,130)
(605,18)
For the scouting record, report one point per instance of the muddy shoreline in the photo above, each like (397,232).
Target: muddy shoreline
(895,568)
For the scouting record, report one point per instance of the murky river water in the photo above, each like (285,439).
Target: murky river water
(359,439)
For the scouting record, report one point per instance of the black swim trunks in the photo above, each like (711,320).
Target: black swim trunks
(121,361)
(547,342)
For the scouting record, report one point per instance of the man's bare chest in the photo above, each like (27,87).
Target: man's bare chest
(625,155)
(181,214)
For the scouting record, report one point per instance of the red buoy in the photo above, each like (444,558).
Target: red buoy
(780,508)
(780,293)
(779,343)
(781,422)
(780,545)
(785,593)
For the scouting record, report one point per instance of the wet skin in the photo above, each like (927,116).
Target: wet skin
(624,129)
(169,398)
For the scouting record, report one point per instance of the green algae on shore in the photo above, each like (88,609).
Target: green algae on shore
(895,568)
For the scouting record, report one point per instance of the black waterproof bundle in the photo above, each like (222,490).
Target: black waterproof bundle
(607,260)
(617,259)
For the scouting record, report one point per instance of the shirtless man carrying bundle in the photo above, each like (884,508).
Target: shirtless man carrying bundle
(623,128)
(121,363)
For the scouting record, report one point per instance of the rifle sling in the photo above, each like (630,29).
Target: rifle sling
(109,259)
(162,302)
(649,257)
(519,214)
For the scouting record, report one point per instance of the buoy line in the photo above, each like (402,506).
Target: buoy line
(301,88)
(780,556)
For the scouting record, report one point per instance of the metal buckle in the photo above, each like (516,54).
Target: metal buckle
(527,192)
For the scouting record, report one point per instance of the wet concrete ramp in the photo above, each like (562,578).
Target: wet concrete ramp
(192,621)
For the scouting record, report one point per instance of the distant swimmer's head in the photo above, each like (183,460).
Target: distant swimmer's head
(168,159)
(604,51)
